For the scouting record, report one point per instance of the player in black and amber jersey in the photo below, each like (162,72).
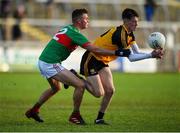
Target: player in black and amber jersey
(115,38)
(95,66)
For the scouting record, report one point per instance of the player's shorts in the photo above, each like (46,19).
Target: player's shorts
(90,65)
(48,70)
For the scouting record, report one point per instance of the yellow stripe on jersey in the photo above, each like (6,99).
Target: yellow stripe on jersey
(113,39)
(123,38)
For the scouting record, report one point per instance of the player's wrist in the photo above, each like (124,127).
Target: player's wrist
(157,53)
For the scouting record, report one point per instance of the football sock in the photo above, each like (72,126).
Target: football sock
(100,115)
(76,111)
(36,107)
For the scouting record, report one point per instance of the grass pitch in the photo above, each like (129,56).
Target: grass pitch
(142,102)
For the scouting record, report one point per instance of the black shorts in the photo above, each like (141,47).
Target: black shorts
(90,65)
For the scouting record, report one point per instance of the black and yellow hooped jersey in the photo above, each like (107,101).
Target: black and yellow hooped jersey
(115,38)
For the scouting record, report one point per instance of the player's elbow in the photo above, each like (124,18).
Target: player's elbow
(131,59)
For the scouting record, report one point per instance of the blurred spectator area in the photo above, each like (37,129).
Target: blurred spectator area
(44,17)
(99,9)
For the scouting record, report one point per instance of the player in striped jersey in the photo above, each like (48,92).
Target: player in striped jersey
(95,66)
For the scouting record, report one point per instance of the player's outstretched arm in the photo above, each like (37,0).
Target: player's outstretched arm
(95,49)
(136,55)
(141,56)
(119,52)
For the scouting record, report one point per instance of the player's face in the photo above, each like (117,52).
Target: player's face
(84,21)
(132,24)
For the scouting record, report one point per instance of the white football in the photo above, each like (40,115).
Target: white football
(156,40)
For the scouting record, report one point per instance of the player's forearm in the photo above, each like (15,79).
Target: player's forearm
(141,56)
(104,52)
(101,51)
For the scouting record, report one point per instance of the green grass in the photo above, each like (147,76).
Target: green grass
(142,102)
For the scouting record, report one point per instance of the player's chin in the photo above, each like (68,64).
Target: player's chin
(134,28)
(86,26)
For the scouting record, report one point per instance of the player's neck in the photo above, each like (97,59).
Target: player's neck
(77,26)
(127,28)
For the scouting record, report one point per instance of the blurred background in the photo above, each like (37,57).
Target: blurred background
(26,26)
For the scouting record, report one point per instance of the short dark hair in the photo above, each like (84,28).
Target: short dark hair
(129,13)
(77,13)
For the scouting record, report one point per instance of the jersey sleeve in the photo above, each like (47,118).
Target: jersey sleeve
(80,39)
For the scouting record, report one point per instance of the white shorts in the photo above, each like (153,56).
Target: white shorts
(48,70)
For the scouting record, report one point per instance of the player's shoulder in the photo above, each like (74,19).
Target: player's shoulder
(72,31)
(116,28)
(113,28)
(72,28)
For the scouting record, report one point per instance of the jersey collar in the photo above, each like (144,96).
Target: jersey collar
(126,29)
(74,28)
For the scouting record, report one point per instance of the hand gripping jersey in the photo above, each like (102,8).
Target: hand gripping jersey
(62,44)
(113,39)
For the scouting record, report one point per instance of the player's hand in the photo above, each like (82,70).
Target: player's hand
(157,53)
(123,52)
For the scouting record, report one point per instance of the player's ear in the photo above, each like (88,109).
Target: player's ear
(78,21)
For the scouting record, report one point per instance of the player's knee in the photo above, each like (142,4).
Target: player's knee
(55,89)
(81,86)
(110,91)
(98,95)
